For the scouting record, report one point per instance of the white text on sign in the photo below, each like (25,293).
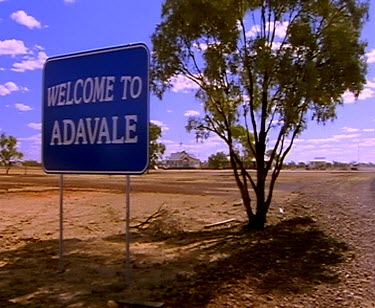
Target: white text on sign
(92,90)
(94,130)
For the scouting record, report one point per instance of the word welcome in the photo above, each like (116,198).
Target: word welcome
(93,89)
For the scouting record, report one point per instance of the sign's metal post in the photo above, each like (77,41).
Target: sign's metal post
(128,274)
(61,238)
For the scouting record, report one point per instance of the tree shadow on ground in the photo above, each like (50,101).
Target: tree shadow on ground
(30,275)
(290,257)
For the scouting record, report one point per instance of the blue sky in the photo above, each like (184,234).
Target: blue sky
(32,31)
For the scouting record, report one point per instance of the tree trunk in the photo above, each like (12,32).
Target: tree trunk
(246,200)
(259,221)
(242,186)
(247,204)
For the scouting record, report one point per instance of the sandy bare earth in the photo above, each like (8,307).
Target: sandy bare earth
(319,253)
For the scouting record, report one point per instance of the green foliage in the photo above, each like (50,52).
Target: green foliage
(156,149)
(262,67)
(8,151)
(31,163)
(290,165)
(218,160)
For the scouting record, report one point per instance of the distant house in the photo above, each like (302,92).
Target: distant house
(182,160)
(318,163)
(15,163)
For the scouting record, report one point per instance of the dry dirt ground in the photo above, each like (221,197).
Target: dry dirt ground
(319,253)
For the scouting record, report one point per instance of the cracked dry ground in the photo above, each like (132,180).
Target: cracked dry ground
(319,253)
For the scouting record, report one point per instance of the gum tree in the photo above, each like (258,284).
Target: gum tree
(8,151)
(156,149)
(265,66)
(218,160)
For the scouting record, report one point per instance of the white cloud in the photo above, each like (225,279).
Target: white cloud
(69,1)
(201,150)
(367,142)
(366,93)
(280,29)
(169,110)
(12,47)
(30,146)
(30,63)
(39,47)
(26,20)
(201,46)
(322,142)
(204,46)
(34,138)
(10,87)
(167,141)
(341,147)
(371,56)
(191,113)
(276,123)
(214,140)
(7,88)
(37,126)
(345,136)
(350,129)
(368,130)
(305,147)
(276,45)
(370,84)
(254,30)
(23,107)
(182,84)
(163,126)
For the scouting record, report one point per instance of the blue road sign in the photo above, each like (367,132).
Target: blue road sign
(96,111)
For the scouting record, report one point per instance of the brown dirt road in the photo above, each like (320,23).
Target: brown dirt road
(319,253)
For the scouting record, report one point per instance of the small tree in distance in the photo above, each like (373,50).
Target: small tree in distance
(267,66)
(31,163)
(156,149)
(218,160)
(8,151)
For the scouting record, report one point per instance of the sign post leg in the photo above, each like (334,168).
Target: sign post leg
(61,238)
(128,278)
